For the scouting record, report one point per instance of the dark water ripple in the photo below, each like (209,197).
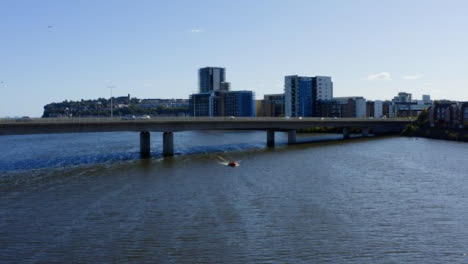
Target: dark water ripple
(388,200)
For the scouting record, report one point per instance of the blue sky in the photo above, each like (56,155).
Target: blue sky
(56,50)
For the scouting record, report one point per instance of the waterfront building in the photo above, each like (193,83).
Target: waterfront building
(299,96)
(374,109)
(302,94)
(378,108)
(259,108)
(216,99)
(360,107)
(464,114)
(223,103)
(342,107)
(330,108)
(239,103)
(370,108)
(324,86)
(448,114)
(386,108)
(426,99)
(353,106)
(272,105)
(212,79)
(403,105)
(402,97)
(225,86)
(443,114)
(201,104)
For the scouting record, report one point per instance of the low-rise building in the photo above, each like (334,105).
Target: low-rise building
(272,105)
(403,105)
(353,106)
(223,103)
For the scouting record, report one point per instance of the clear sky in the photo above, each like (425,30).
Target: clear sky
(71,49)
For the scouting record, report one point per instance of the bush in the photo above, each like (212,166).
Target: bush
(410,130)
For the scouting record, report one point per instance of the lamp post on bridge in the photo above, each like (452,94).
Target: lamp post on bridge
(193,102)
(112,107)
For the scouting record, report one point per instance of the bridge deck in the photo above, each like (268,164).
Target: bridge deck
(81,125)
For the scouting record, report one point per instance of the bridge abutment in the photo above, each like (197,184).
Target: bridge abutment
(145,144)
(345,132)
(270,138)
(168,144)
(291,137)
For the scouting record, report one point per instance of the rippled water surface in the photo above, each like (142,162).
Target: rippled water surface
(89,198)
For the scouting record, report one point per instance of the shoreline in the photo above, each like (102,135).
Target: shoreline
(451,134)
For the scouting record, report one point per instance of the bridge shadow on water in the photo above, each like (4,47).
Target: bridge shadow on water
(303,141)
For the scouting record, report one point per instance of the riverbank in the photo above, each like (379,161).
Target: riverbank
(422,128)
(436,133)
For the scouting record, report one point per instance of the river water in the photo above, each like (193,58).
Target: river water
(89,198)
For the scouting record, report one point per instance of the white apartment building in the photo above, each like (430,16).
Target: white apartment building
(324,86)
(378,108)
(360,108)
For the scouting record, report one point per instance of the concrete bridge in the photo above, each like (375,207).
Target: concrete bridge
(175,124)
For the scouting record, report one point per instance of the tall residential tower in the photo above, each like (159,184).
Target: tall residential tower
(212,79)
(302,94)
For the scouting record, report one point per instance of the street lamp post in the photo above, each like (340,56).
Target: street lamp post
(112,107)
(193,102)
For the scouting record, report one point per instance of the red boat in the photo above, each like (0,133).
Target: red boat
(233,164)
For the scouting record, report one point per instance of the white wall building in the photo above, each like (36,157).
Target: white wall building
(360,108)
(378,108)
(324,86)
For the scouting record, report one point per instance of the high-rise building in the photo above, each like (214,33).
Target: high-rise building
(225,86)
(299,96)
(370,109)
(211,79)
(302,94)
(378,108)
(324,88)
(360,107)
(215,99)
(426,99)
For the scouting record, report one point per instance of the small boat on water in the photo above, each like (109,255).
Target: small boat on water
(224,162)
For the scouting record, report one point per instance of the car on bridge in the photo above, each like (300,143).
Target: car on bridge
(129,117)
(143,117)
(23,119)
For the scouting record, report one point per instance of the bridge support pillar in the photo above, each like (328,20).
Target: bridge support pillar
(365,131)
(345,132)
(291,136)
(270,138)
(168,144)
(145,146)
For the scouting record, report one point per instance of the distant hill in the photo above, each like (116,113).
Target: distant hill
(124,105)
